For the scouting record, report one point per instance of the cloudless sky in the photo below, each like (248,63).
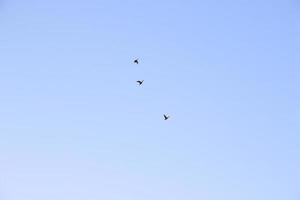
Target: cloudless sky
(75,125)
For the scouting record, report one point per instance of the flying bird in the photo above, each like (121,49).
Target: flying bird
(166,117)
(140,82)
(136,61)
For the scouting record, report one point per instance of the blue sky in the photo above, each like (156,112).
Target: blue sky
(74,124)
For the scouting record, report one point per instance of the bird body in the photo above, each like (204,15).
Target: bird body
(140,82)
(136,61)
(166,117)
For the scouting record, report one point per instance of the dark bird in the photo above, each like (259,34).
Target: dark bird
(166,117)
(136,61)
(140,82)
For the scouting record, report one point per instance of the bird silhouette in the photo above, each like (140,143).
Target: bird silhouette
(166,117)
(136,61)
(140,82)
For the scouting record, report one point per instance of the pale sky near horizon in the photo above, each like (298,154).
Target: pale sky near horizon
(75,125)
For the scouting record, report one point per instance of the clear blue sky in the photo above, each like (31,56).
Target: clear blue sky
(74,124)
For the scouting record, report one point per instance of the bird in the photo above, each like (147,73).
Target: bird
(140,82)
(166,117)
(136,61)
